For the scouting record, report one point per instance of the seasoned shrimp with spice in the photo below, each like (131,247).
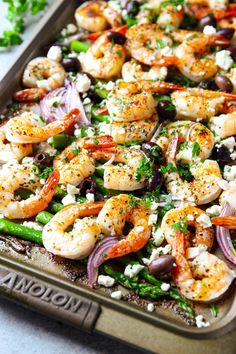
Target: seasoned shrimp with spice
(79,242)
(116,211)
(44,73)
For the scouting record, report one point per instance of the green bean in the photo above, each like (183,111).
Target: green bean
(61,141)
(44,217)
(101,92)
(24,232)
(100,185)
(54,207)
(99,117)
(99,172)
(79,47)
(60,193)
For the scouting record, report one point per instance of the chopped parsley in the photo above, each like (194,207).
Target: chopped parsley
(13,107)
(95,141)
(184,172)
(74,148)
(46,173)
(214,310)
(168,168)
(181,226)
(133,201)
(173,3)
(145,169)
(195,149)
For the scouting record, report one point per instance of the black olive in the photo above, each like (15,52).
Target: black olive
(87,186)
(116,37)
(222,155)
(156,180)
(132,8)
(208,20)
(226,32)
(42,158)
(71,64)
(166,109)
(161,265)
(93,96)
(232,50)
(224,83)
(208,84)
(153,151)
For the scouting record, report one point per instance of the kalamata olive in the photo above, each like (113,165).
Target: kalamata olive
(224,83)
(42,158)
(166,109)
(222,155)
(132,8)
(116,37)
(153,151)
(71,64)
(155,181)
(161,265)
(87,186)
(208,84)
(208,20)
(93,96)
(226,32)
(232,50)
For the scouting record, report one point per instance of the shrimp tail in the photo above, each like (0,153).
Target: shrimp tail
(94,36)
(229,222)
(100,142)
(200,12)
(30,95)
(50,186)
(166,61)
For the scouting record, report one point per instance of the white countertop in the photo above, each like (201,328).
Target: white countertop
(25,332)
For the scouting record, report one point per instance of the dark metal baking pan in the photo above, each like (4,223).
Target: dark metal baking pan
(41,283)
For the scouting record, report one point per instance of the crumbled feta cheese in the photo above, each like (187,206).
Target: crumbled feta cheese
(42,181)
(71,28)
(179,7)
(218,4)
(165,286)
(146,261)
(157,252)
(233,156)
(33,225)
(131,270)
(68,199)
(106,281)
(190,217)
(116,295)
(86,100)
(163,71)
(47,148)
(71,189)
(83,82)
(154,206)
(140,228)
(43,84)
(214,210)
(201,322)
(167,51)
(229,143)
(209,30)
(193,252)
(224,60)
(110,85)
(90,197)
(223,184)
(152,219)
(90,131)
(204,221)
(55,53)
(150,307)
(158,236)
(229,173)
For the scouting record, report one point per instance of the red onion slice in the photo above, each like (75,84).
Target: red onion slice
(223,236)
(96,258)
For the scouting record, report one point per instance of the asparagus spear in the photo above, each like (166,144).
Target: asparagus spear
(24,232)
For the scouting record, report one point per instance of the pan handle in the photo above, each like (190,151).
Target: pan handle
(48,299)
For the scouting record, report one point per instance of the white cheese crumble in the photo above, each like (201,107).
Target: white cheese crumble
(159,251)
(224,60)
(110,85)
(193,252)
(154,206)
(106,281)
(201,322)
(82,83)
(71,189)
(55,53)
(165,286)
(43,84)
(214,210)
(152,219)
(209,30)
(32,225)
(163,72)
(68,199)
(229,173)
(158,236)
(204,221)
(167,51)
(229,143)
(223,184)
(90,197)
(140,228)
(116,295)
(131,270)
(190,217)
(150,307)
(71,28)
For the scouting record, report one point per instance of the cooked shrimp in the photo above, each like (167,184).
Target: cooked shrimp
(44,73)
(21,177)
(189,133)
(30,95)
(96,16)
(29,127)
(75,163)
(223,125)
(143,44)
(130,101)
(229,195)
(79,242)
(189,215)
(198,104)
(203,189)
(9,151)
(116,211)
(213,4)
(122,133)
(104,59)
(205,278)
(132,70)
